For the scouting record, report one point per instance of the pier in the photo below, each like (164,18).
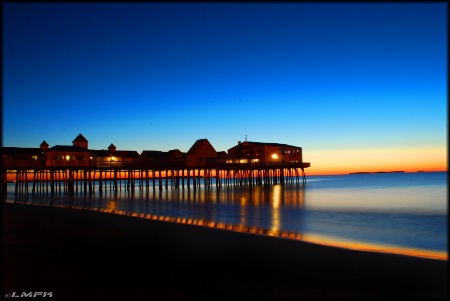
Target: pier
(75,168)
(72,180)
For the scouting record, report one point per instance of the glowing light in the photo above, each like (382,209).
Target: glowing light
(276,217)
(67,157)
(112,204)
(354,245)
(274,156)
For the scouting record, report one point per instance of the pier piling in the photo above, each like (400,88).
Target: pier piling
(67,180)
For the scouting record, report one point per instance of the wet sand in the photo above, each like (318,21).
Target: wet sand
(88,254)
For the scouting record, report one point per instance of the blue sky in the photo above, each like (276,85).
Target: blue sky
(368,79)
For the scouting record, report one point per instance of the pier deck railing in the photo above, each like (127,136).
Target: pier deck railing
(22,164)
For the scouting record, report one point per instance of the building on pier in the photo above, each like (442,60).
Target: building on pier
(247,162)
(201,154)
(75,155)
(22,157)
(222,157)
(80,141)
(264,153)
(69,156)
(173,159)
(116,158)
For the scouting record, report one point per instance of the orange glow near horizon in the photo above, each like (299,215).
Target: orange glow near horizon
(353,245)
(374,160)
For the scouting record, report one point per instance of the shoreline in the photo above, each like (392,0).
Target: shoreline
(81,253)
(308,238)
(374,172)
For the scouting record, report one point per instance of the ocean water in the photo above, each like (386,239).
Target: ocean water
(402,213)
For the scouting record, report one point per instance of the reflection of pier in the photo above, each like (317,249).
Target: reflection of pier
(256,209)
(73,180)
(212,224)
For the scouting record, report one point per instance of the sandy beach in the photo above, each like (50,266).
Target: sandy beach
(88,254)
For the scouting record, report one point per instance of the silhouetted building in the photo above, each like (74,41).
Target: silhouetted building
(163,160)
(44,146)
(75,155)
(222,157)
(22,157)
(201,154)
(80,141)
(116,158)
(264,153)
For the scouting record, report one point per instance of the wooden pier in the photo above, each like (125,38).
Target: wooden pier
(73,180)
(75,168)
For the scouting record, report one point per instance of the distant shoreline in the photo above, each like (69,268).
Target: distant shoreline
(372,172)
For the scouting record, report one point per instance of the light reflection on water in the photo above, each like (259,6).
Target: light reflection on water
(390,212)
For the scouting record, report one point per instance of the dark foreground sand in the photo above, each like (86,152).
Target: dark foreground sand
(86,254)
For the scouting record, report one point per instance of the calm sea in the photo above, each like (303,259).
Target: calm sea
(390,212)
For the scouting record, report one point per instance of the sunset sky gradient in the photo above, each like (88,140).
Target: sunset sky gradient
(359,86)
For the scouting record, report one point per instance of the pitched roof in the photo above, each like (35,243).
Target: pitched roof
(125,153)
(80,138)
(174,153)
(68,148)
(198,144)
(21,150)
(268,144)
(222,155)
(152,153)
(100,152)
